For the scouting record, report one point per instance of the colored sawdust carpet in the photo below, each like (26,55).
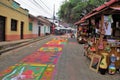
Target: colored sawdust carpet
(57,41)
(24,72)
(53,45)
(48,74)
(43,58)
(51,49)
(40,65)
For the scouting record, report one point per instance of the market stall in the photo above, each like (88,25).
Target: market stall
(104,41)
(82,33)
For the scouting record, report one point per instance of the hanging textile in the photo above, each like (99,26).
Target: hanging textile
(107,24)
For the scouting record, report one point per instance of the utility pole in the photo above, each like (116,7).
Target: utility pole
(53,12)
(53,18)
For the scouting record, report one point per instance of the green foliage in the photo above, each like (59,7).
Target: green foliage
(72,10)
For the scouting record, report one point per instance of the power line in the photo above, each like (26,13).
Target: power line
(31,6)
(38,5)
(45,5)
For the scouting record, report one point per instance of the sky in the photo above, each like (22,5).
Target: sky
(41,7)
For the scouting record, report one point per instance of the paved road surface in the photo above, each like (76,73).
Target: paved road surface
(15,56)
(74,66)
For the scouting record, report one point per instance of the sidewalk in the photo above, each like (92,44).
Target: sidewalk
(13,42)
(9,45)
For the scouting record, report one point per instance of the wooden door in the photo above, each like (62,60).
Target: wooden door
(39,31)
(2,28)
(21,31)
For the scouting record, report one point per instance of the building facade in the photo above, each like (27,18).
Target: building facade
(46,26)
(39,26)
(14,22)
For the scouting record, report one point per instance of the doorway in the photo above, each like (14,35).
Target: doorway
(21,30)
(2,28)
(39,30)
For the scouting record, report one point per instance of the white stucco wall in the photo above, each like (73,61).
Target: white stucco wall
(44,28)
(47,29)
(35,27)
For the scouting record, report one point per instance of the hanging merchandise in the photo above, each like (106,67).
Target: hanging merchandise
(117,24)
(93,21)
(80,28)
(103,31)
(107,25)
(112,68)
(100,46)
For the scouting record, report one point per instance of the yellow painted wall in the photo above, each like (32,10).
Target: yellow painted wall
(19,14)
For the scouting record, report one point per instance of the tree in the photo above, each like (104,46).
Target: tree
(65,11)
(73,10)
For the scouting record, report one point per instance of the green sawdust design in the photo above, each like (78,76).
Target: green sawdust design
(18,70)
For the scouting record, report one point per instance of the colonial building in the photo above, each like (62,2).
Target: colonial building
(46,25)
(39,26)
(13,21)
(34,26)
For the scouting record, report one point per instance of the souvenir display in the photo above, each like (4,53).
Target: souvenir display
(92,49)
(95,61)
(103,64)
(112,68)
(82,34)
(118,50)
(107,48)
(100,45)
(105,27)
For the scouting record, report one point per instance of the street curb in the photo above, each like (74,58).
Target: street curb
(24,43)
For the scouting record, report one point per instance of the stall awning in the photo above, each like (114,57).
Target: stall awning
(80,21)
(115,8)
